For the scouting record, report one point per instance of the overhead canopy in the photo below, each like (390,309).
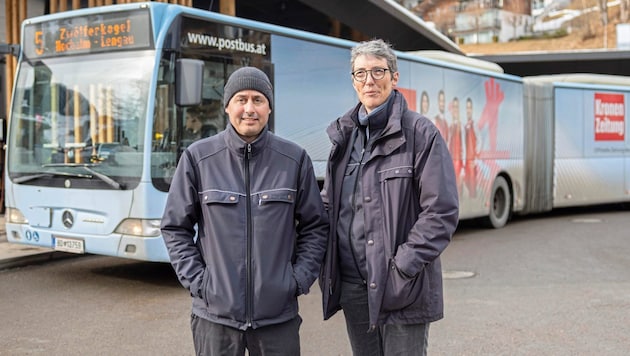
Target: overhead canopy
(606,61)
(388,20)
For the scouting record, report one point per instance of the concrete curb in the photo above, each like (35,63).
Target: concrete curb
(37,258)
(14,255)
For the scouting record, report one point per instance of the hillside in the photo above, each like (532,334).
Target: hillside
(584,32)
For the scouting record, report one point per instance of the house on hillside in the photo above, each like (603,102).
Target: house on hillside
(477,21)
(484,21)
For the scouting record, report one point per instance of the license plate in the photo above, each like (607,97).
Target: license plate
(69,245)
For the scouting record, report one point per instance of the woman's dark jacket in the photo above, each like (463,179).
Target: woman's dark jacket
(410,202)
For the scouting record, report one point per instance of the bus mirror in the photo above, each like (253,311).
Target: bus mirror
(188,81)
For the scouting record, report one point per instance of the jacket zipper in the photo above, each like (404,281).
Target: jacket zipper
(338,144)
(354,198)
(249,293)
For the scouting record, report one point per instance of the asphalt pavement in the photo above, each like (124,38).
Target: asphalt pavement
(14,255)
(553,284)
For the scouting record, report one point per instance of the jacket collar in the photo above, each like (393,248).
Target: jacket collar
(378,117)
(237,145)
(340,129)
(396,110)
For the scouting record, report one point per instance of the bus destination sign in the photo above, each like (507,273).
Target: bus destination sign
(88,34)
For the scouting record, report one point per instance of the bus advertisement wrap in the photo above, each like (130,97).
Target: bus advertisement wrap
(220,40)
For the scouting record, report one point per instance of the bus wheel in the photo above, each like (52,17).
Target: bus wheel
(500,204)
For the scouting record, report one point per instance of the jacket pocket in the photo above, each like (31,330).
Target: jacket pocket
(218,197)
(276,293)
(276,196)
(395,172)
(399,204)
(401,290)
(205,285)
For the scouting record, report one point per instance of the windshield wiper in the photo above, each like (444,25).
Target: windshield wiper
(24,179)
(104,178)
(92,174)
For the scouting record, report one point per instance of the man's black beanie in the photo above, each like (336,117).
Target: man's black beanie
(248,78)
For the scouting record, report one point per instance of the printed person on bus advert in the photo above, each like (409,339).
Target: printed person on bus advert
(245,228)
(424,103)
(440,118)
(470,164)
(455,141)
(393,204)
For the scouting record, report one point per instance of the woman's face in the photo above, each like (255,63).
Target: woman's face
(424,104)
(373,92)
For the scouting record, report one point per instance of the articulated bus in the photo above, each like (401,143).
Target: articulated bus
(105,98)
(577,152)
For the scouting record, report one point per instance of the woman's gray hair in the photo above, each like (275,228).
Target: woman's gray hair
(376,48)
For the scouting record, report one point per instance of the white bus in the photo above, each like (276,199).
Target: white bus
(102,95)
(577,152)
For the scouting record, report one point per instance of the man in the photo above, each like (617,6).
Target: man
(261,226)
(194,128)
(391,196)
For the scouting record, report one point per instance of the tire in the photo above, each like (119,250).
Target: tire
(500,204)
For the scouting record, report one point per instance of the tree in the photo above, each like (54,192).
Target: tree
(475,10)
(515,20)
(443,17)
(603,13)
(623,10)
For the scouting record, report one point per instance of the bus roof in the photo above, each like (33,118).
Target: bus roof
(458,59)
(581,78)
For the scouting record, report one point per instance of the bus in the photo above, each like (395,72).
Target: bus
(577,153)
(103,100)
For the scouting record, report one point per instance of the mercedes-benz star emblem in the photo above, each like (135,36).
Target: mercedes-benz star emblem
(67,219)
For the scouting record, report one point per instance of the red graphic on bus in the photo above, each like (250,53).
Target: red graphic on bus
(490,114)
(610,117)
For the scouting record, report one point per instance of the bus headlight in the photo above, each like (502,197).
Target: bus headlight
(139,227)
(15,216)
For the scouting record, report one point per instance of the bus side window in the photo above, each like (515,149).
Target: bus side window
(201,122)
(163,125)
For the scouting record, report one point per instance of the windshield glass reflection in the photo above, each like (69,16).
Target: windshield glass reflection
(73,113)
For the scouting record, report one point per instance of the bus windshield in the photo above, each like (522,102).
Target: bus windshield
(81,117)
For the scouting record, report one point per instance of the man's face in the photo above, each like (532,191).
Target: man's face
(373,93)
(469,110)
(441,102)
(455,108)
(248,111)
(192,123)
